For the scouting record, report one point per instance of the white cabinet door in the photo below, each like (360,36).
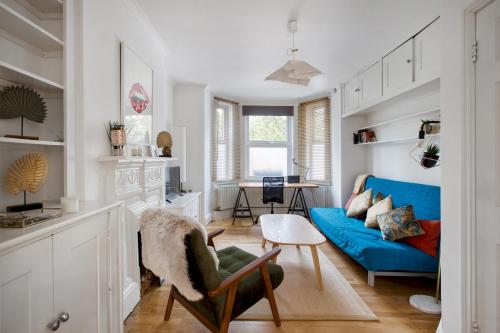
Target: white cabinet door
(428,53)
(398,68)
(26,289)
(131,280)
(351,94)
(371,83)
(195,209)
(82,276)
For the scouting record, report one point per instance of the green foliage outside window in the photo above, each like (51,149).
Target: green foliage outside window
(268,128)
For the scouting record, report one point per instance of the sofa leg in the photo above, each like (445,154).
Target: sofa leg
(371,278)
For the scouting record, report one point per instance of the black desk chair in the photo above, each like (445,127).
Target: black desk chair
(272,190)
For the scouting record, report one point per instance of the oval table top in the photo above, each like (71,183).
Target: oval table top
(289,229)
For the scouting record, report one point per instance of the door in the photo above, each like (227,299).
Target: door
(428,53)
(398,68)
(82,276)
(487,168)
(351,94)
(26,299)
(371,83)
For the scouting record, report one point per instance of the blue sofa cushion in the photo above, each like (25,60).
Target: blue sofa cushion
(366,245)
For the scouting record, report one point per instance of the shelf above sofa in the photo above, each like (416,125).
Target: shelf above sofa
(22,27)
(394,120)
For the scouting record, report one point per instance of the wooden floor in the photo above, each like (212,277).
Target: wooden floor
(388,299)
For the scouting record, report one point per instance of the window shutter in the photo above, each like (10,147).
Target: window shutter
(314,139)
(225,143)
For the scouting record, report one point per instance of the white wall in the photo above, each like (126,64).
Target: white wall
(105,24)
(192,105)
(453,237)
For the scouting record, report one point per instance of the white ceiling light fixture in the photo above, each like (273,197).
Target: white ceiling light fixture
(294,71)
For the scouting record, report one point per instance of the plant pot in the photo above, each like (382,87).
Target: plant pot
(429,161)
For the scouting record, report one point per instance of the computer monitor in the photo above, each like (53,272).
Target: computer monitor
(293,179)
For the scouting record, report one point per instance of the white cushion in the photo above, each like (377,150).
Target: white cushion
(360,204)
(380,207)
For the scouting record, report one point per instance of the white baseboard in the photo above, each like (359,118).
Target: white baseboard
(440,327)
(208,218)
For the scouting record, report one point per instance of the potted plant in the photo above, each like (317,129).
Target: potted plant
(117,137)
(430,157)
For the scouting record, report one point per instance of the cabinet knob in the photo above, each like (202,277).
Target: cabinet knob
(54,325)
(408,60)
(64,317)
(356,90)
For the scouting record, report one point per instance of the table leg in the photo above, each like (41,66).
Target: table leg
(275,258)
(291,206)
(248,205)
(236,205)
(304,204)
(319,279)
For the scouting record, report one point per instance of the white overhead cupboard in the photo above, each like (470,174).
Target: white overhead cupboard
(412,64)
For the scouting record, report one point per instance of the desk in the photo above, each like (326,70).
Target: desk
(298,195)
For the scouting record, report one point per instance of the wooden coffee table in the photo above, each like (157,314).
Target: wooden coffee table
(287,229)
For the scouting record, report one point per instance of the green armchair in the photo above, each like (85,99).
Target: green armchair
(241,280)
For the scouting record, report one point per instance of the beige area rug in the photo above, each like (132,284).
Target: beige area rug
(298,297)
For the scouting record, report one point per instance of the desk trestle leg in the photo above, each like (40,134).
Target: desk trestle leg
(242,212)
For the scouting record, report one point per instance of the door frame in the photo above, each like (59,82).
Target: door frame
(469,171)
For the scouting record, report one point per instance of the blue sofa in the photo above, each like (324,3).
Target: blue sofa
(366,246)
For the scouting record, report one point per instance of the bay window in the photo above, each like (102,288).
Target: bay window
(268,138)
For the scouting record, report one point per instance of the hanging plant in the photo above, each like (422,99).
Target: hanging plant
(430,156)
(23,102)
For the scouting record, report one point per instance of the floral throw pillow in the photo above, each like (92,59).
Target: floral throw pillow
(399,223)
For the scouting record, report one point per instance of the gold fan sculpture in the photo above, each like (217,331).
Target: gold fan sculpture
(164,141)
(27,173)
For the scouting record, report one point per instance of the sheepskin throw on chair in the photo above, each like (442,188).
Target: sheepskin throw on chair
(164,251)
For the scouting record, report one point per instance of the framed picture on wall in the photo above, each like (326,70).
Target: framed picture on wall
(136,97)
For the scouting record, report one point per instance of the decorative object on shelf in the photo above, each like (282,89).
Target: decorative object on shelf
(21,220)
(164,141)
(22,102)
(70,204)
(426,151)
(117,137)
(294,71)
(27,173)
(364,136)
(136,96)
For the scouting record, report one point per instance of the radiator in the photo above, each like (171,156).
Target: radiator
(226,197)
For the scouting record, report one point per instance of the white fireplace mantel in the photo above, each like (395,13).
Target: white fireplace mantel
(140,183)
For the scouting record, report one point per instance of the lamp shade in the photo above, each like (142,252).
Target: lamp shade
(295,72)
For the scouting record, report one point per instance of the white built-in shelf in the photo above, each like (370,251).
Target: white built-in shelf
(395,140)
(413,88)
(47,6)
(31,142)
(394,120)
(25,29)
(20,76)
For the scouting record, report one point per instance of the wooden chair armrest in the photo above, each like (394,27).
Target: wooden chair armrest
(212,235)
(244,271)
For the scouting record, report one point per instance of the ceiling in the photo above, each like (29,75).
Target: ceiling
(232,45)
